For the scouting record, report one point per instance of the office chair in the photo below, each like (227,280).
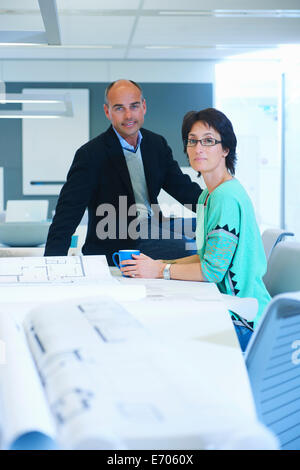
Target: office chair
(283,271)
(273,362)
(271,237)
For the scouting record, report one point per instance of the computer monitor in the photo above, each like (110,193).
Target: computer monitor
(26,211)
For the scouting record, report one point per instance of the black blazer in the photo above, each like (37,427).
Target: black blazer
(99,176)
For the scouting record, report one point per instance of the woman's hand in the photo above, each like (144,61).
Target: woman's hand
(142,266)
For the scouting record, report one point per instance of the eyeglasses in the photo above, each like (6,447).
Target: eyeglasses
(206,142)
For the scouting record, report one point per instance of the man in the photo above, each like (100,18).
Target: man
(118,176)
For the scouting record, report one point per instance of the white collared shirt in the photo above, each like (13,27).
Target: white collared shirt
(135,167)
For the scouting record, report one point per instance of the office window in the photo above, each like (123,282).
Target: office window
(248,93)
(292,150)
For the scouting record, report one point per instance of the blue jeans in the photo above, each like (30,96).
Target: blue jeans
(244,335)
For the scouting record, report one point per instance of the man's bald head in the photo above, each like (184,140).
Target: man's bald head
(120,83)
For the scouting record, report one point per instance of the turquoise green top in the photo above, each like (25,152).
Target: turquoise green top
(229,243)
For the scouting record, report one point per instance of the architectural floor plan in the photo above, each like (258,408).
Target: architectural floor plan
(69,269)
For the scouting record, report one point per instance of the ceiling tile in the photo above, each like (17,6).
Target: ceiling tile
(90,30)
(97,4)
(19,4)
(21,23)
(195,37)
(209,31)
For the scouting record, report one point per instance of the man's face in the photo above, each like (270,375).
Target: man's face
(125,110)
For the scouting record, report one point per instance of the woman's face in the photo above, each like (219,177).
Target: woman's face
(206,159)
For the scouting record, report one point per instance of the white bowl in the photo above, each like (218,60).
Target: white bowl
(24,233)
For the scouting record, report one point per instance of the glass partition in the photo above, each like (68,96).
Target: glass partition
(248,92)
(292,150)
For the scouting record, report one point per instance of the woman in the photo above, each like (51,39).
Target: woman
(230,250)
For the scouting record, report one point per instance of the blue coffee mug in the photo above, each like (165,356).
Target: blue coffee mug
(123,255)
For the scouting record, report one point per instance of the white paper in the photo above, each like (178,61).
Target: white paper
(68,342)
(45,279)
(111,385)
(125,374)
(182,310)
(160,289)
(54,269)
(246,307)
(23,405)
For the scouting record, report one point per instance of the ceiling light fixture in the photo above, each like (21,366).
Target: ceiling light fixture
(65,46)
(234,13)
(212,46)
(26,98)
(23,115)
(9,98)
(163,47)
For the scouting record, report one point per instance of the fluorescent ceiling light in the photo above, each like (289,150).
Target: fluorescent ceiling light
(26,115)
(65,46)
(185,12)
(20,44)
(26,98)
(35,99)
(191,46)
(85,46)
(211,46)
(234,13)
(164,47)
(258,13)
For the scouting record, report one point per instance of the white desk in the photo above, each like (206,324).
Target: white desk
(193,317)
(182,310)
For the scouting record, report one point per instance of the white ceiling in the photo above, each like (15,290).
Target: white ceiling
(155,29)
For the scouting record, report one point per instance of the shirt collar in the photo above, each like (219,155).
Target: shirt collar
(125,145)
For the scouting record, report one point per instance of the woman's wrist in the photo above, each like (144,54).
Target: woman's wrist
(161,270)
(167,272)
